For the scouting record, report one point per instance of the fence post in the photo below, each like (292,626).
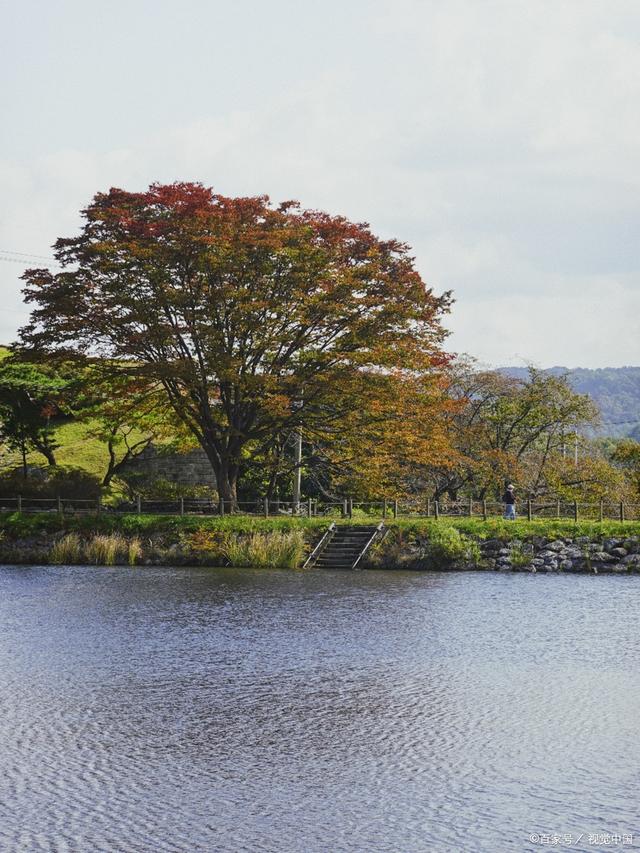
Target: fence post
(470,507)
(19,503)
(309,508)
(601,510)
(350,505)
(98,505)
(221,506)
(557,509)
(621,510)
(344,508)
(384,508)
(436,509)
(59,505)
(181,506)
(575,510)
(428,507)
(266,507)
(529,510)
(395,508)
(484,510)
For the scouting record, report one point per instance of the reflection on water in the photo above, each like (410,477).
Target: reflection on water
(181,710)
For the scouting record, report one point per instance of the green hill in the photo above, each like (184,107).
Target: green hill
(615,390)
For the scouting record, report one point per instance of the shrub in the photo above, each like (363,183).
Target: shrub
(447,544)
(68,549)
(51,482)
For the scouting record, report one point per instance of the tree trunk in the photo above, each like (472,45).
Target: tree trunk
(227,480)
(43,447)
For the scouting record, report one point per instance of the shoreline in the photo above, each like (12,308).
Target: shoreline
(540,546)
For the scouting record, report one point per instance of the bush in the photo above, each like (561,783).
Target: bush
(162,489)
(447,544)
(51,482)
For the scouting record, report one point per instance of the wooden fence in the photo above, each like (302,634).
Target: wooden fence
(346,508)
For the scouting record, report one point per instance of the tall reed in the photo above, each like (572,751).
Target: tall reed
(68,549)
(104,550)
(134,550)
(261,550)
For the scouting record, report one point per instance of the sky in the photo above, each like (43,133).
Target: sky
(500,140)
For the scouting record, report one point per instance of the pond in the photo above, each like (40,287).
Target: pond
(153,709)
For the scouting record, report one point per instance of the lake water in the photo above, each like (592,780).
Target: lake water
(156,709)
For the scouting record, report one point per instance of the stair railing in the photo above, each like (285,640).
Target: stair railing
(379,529)
(321,545)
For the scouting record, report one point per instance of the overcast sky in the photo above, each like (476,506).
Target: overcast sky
(501,140)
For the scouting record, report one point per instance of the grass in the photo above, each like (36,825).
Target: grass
(106,550)
(66,550)
(275,550)
(21,525)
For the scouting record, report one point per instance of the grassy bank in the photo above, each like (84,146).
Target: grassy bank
(109,539)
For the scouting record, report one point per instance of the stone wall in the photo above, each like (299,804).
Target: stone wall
(619,555)
(184,469)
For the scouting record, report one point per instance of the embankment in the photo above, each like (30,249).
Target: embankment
(410,544)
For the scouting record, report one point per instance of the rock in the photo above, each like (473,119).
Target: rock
(566,565)
(632,561)
(618,552)
(620,568)
(547,555)
(609,544)
(573,553)
(556,545)
(602,557)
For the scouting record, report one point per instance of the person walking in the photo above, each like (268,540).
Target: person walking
(509,500)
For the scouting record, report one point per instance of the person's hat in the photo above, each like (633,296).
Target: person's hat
(510,486)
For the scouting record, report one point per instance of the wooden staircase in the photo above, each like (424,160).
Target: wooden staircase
(343,547)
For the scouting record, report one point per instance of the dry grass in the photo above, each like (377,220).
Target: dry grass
(106,550)
(66,550)
(272,550)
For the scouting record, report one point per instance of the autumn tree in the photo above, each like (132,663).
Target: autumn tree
(252,317)
(504,428)
(627,455)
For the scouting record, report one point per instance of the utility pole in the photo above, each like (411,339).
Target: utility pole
(297,472)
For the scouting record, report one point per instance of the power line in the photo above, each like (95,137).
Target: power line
(26,254)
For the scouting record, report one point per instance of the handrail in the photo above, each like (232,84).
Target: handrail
(378,530)
(316,551)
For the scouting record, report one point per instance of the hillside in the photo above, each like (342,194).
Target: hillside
(616,391)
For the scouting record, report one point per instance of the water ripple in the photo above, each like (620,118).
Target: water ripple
(185,710)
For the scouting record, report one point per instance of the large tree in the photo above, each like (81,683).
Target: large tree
(254,318)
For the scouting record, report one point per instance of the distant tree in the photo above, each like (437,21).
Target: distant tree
(255,319)
(627,455)
(30,403)
(507,428)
